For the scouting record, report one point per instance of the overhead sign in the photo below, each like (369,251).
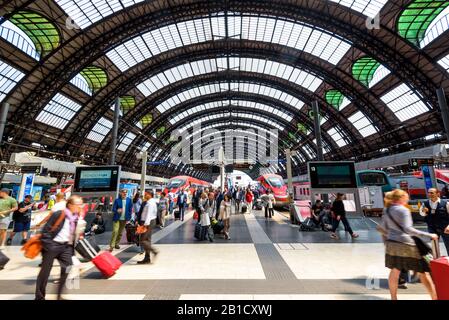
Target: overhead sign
(417,163)
(97,178)
(157,163)
(332,174)
(35,169)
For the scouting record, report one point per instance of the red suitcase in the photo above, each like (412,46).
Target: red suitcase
(107,263)
(440,275)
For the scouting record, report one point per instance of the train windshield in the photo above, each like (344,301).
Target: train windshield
(373,179)
(275,182)
(175,183)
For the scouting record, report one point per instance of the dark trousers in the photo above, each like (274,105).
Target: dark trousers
(182,208)
(441,234)
(269,212)
(145,240)
(336,223)
(61,252)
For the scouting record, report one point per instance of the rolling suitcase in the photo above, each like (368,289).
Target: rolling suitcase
(244,208)
(439,268)
(200,233)
(107,263)
(87,248)
(3,260)
(130,233)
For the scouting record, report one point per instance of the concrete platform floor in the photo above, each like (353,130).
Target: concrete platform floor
(265,259)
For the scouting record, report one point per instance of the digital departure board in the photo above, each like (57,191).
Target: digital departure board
(95,179)
(332,174)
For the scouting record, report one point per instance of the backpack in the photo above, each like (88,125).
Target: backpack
(307,225)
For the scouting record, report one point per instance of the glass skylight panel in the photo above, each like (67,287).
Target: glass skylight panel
(308,151)
(405,103)
(81,83)
(127,140)
(146,146)
(438,26)
(381,73)
(362,124)
(337,137)
(14,35)
(9,77)
(59,111)
(87,12)
(296,35)
(444,62)
(369,8)
(100,130)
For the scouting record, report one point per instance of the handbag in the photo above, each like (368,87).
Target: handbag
(141,229)
(33,247)
(423,248)
(195,215)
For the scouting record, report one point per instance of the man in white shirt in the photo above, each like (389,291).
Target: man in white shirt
(148,218)
(436,213)
(58,238)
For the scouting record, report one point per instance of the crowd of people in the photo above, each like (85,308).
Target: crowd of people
(65,225)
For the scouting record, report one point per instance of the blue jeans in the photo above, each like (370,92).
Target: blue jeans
(442,235)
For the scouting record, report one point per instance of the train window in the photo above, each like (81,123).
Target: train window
(275,182)
(175,183)
(373,179)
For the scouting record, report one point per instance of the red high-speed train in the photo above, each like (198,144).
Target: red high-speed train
(275,183)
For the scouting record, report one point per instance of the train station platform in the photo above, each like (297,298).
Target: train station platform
(264,259)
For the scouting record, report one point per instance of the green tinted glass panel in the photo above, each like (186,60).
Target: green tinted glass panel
(160,131)
(127,103)
(96,77)
(302,128)
(416,18)
(334,98)
(292,136)
(39,29)
(364,68)
(146,120)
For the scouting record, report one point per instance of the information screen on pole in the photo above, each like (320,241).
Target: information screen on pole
(97,179)
(325,175)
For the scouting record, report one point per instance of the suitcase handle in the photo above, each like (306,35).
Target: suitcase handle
(436,249)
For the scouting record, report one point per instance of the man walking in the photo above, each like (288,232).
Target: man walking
(22,220)
(436,213)
(122,209)
(7,206)
(182,203)
(148,218)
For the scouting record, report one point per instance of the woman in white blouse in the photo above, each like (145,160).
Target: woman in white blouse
(225,214)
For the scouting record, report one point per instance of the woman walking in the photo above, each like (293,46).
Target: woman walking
(225,215)
(401,252)
(162,209)
(339,214)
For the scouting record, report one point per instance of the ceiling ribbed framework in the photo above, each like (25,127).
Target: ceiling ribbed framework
(224,71)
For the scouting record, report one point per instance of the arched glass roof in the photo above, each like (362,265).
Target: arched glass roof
(303,37)
(225,86)
(404,102)
(86,12)
(80,82)
(14,35)
(9,77)
(368,71)
(444,62)
(95,76)
(39,29)
(199,67)
(336,99)
(231,104)
(415,20)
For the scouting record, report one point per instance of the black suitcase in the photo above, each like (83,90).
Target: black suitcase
(218,227)
(87,248)
(3,260)
(244,208)
(177,214)
(131,233)
(199,232)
